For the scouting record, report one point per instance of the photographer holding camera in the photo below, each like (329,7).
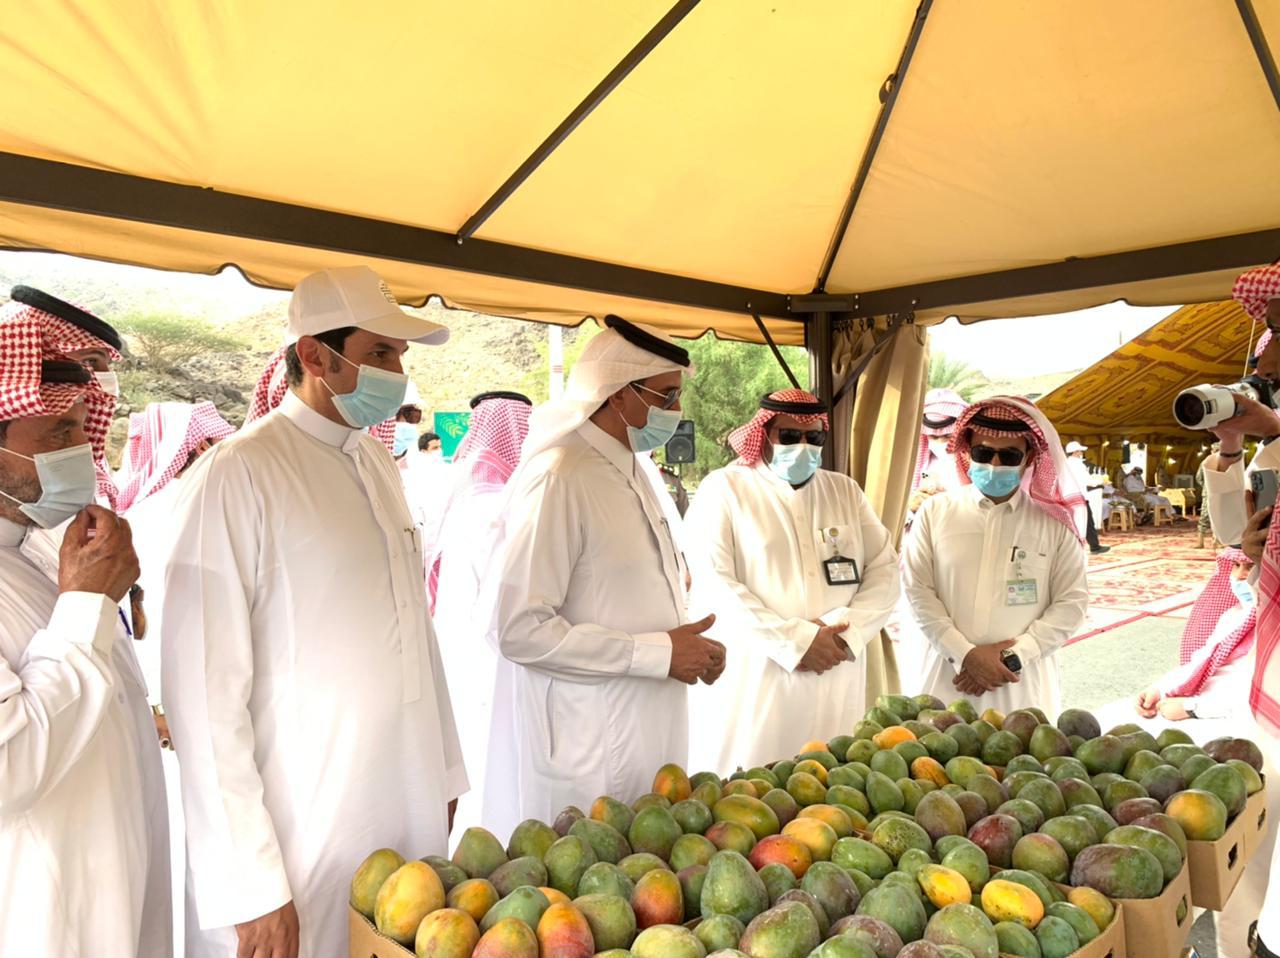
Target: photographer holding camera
(1232,413)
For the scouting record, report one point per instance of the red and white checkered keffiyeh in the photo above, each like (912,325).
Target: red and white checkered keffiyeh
(1264,693)
(1047,481)
(1216,599)
(272,386)
(484,461)
(161,440)
(939,405)
(30,337)
(1230,647)
(748,439)
(1254,288)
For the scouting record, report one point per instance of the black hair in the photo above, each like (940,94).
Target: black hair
(335,339)
(426,439)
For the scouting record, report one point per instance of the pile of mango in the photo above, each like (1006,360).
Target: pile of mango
(928,832)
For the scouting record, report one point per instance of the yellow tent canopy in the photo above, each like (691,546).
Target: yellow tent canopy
(1129,394)
(687,165)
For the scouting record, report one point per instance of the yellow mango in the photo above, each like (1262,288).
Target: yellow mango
(1009,901)
(944,886)
(1094,904)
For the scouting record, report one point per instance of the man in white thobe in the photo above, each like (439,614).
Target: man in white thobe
(485,461)
(302,680)
(589,612)
(800,574)
(1135,485)
(1085,481)
(1225,483)
(164,441)
(998,569)
(82,827)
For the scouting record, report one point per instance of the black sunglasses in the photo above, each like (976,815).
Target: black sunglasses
(1007,456)
(814,437)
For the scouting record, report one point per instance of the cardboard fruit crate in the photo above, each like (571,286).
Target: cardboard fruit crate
(367,943)
(1151,925)
(1216,867)
(1256,824)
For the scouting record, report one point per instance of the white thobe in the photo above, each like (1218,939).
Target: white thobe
(963,552)
(757,548)
(151,521)
(302,681)
(1224,492)
(470,661)
(82,827)
(590,584)
(1138,487)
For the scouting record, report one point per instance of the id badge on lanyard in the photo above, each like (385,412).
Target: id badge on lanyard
(839,569)
(1019,590)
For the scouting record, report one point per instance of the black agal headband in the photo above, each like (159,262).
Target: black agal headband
(647,341)
(793,408)
(91,324)
(500,394)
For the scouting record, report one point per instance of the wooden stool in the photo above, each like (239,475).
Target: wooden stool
(1163,515)
(1120,520)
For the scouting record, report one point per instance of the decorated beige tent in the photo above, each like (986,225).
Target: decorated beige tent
(840,169)
(1129,394)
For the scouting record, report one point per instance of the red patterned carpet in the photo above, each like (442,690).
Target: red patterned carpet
(1148,572)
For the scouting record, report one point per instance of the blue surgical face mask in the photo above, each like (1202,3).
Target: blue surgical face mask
(378,395)
(796,463)
(995,482)
(660,425)
(405,439)
(68,482)
(1243,592)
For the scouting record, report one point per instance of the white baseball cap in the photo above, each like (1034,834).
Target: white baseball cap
(1074,446)
(355,296)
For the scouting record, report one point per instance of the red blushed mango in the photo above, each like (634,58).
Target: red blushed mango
(475,896)
(447,933)
(658,900)
(563,932)
(509,938)
(672,783)
(784,850)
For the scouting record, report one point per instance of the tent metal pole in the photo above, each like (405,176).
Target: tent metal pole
(579,113)
(888,98)
(1260,47)
(777,353)
(820,340)
(80,189)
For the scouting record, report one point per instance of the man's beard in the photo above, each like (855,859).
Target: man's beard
(25,488)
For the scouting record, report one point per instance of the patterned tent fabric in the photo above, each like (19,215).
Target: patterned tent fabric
(1129,394)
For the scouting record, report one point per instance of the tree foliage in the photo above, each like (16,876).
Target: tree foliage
(946,373)
(725,393)
(166,341)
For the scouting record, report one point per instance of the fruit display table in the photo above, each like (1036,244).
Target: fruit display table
(927,831)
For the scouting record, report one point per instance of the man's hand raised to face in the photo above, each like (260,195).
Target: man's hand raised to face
(693,656)
(97,555)
(1252,419)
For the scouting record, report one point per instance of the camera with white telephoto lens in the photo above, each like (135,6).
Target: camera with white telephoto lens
(1207,406)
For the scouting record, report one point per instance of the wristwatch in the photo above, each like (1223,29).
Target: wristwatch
(1011,661)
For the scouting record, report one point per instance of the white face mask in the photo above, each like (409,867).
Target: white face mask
(68,482)
(109,382)
(939,447)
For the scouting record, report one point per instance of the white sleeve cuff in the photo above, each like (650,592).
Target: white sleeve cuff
(1267,457)
(1027,649)
(1229,480)
(85,618)
(651,655)
(955,647)
(789,654)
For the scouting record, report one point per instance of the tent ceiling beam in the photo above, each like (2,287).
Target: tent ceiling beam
(1260,48)
(1111,269)
(579,113)
(48,183)
(888,97)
